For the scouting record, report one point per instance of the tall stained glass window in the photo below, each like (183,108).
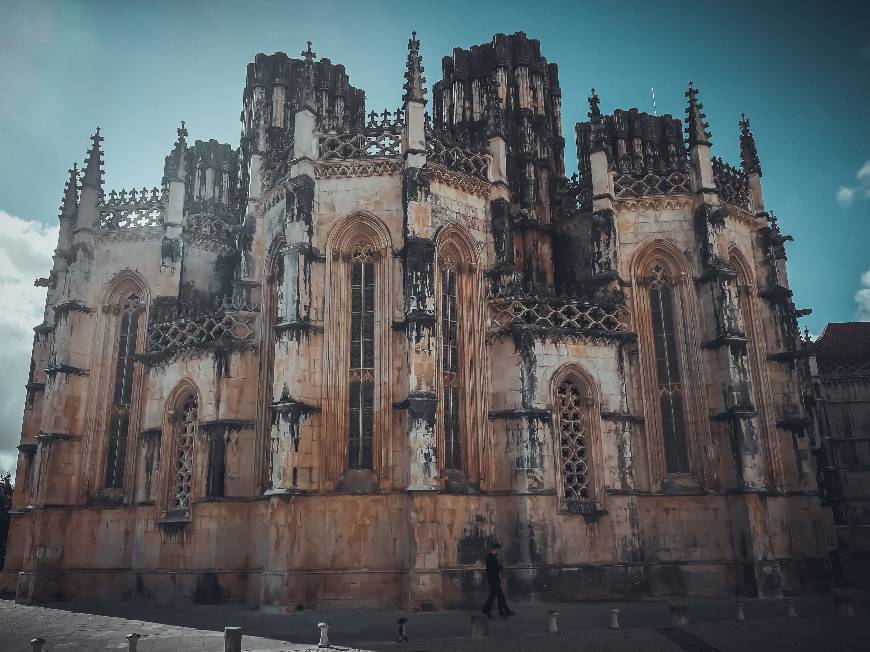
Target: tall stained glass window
(362,360)
(119,418)
(670,386)
(450,369)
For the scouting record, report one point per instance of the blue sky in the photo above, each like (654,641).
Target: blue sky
(800,71)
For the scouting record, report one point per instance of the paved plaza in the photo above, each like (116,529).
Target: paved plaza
(645,625)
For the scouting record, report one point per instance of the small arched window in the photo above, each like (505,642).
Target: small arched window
(186,425)
(122,393)
(670,385)
(573,433)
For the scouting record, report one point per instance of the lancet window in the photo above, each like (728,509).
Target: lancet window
(187,416)
(669,384)
(119,419)
(450,412)
(573,432)
(362,360)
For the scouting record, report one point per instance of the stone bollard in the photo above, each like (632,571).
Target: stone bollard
(679,614)
(132,641)
(790,610)
(740,615)
(232,639)
(843,603)
(614,619)
(402,636)
(553,626)
(479,626)
(324,634)
(36,644)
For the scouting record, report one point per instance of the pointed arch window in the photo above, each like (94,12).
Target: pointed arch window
(573,432)
(361,389)
(669,382)
(188,420)
(122,393)
(452,402)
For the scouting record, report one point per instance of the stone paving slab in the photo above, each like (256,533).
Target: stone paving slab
(645,626)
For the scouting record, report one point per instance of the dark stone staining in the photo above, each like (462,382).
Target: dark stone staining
(500,218)
(208,589)
(419,277)
(422,409)
(524,343)
(170,251)
(415,188)
(475,540)
(226,271)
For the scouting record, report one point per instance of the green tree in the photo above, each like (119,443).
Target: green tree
(5,506)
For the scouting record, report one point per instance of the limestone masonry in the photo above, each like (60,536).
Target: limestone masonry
(333,364)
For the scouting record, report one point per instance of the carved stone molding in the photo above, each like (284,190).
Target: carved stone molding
(458,180)
(361,168)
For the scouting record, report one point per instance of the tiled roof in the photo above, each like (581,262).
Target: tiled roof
(847,343)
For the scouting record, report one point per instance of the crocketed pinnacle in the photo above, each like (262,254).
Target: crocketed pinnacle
(696,127)
(173,167)
(414,79)
(93,174)
(596,131)
(594,101)
(748,152)
(71,194)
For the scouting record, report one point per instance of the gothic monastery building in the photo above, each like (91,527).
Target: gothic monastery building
(333,364)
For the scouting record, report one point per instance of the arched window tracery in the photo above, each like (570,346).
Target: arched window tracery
(573,434)
(669,378)
(361,376)
(187,416)
(450,378)
(120,412)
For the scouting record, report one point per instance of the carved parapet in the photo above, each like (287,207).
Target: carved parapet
(230,324)
(467,159)
(133,209)
(629,185)
(375,142)
(509,314)
(732,183)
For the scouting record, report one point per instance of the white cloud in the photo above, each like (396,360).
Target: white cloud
(862,297)
(846,195)
(26,248)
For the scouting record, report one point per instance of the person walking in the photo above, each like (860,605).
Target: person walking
(493,578)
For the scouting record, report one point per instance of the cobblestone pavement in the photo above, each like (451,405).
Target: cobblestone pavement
(645,625)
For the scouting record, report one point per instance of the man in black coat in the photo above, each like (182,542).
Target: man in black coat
(493,572)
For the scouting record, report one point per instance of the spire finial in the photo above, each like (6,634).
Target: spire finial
(174,164)
(309,54)
(748,152)
(93,174)
(414,79)
(594,101)
(71,193)
(696,127)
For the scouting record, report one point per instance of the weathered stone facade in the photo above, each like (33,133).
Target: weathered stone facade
(335,363)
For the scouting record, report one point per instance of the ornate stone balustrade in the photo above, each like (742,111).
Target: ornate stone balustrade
(629,186)
(733,184)
(367,144)
(133,209)
(460,158)
(557,314)
(230,323)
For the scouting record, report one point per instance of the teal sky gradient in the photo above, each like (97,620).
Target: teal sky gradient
(800,71)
